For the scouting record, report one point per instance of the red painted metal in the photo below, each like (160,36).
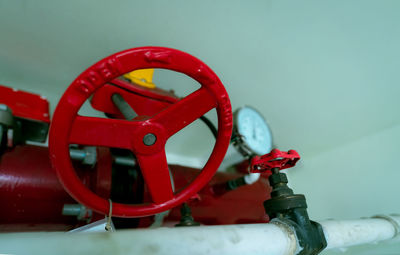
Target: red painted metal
(25,105)
(144,104)
(68,127)
(154,93)
(242,205)
(274,159)
(31,195)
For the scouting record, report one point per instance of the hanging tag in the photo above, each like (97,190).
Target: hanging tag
(104,225)
(97,226)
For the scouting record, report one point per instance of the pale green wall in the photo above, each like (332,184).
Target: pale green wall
(324,73)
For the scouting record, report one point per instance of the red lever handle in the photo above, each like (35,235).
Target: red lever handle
(274,159)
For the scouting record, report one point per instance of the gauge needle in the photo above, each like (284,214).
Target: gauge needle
(254,133)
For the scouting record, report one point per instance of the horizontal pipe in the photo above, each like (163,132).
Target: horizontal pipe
(226,239)
(346,233)
(273,238)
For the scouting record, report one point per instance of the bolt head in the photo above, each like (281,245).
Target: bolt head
(149,139)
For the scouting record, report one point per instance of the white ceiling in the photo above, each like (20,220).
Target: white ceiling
(324,73)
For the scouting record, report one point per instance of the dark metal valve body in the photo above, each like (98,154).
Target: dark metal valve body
(291,208)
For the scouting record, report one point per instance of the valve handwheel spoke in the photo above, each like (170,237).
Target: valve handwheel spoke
(145,136)
(92,130)
(185,111)
(156,175)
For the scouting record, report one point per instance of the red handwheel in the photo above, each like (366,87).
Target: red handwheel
(144,136)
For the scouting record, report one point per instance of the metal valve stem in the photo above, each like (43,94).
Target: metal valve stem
(123,106)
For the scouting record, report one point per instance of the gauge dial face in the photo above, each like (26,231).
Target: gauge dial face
(254,130)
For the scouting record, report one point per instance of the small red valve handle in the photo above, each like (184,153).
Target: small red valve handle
(274,159)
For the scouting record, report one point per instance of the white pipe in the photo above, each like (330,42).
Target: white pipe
(345,233)
(232,239)
(273,239)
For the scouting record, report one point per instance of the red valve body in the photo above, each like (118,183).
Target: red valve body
(32,197)
(25,105)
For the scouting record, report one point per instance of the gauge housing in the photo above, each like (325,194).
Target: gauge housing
(252,135)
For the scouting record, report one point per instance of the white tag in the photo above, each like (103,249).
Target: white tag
(97,226)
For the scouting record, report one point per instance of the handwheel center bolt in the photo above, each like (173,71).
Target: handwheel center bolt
(149,139)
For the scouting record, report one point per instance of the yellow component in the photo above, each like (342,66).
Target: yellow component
(142,77)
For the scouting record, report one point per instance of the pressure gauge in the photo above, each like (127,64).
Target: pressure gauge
(252,135)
